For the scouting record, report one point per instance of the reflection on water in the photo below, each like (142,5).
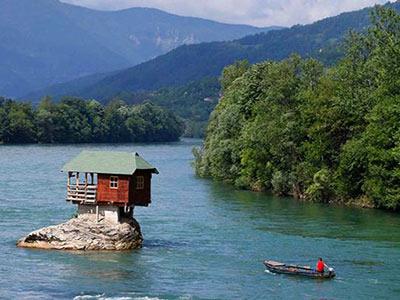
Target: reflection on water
(202,240)
(290,217)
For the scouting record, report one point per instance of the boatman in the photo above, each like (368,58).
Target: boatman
(321,265)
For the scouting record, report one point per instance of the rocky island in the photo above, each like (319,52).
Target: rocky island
(106,187)
(86,233)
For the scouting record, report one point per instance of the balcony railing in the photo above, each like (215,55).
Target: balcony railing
(82,193)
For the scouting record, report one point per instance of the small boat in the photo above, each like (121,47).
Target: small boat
(281,268)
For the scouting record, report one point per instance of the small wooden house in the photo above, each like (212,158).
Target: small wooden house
(109,184)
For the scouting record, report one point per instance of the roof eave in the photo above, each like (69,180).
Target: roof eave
(154,171)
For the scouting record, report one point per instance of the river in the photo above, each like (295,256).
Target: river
(203,240)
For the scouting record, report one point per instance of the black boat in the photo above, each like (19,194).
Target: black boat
(281,268)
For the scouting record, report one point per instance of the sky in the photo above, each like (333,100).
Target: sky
(253,12)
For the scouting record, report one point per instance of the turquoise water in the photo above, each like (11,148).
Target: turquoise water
(203,240)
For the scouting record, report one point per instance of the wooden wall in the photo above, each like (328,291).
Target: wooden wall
(105,194)
(141,197)
(127,192)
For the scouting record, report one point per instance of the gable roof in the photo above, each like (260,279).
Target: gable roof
(104,162)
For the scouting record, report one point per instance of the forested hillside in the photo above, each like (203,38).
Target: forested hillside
(78,121)
(45,42)
(295,128)
(193,102)
(194,62)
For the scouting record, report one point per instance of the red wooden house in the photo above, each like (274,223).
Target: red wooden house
(109,184)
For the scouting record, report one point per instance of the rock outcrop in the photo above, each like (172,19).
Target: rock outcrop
(85,233)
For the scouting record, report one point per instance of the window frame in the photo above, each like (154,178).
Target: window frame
(140,183)
(114,182)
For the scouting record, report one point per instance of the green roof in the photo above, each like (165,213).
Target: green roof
(102,162)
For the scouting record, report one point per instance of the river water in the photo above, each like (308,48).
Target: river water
(203,240)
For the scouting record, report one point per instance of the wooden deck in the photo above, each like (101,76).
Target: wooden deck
(82,193)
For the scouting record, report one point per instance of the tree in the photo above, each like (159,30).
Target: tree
(20,127)
(44,119)
(323,135)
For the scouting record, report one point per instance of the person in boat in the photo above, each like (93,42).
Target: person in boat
(321,265)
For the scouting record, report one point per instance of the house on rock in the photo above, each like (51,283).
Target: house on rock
(109,184)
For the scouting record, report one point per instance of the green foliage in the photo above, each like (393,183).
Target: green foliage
(74,120)
(381,139)
(17,121)
(233,72)
(280,184)
(320,189)
(193,102)
(352,168)
(323,135)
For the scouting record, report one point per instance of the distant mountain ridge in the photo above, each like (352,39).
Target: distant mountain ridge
(44,42)
(189,63)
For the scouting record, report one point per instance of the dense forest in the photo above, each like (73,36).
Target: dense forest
(322,134)
(74,120)
(193,102)
(185,80)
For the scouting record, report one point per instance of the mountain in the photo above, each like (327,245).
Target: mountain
(45,42)
(193,62)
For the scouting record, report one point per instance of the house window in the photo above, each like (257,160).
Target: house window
(139,182)
(114,182)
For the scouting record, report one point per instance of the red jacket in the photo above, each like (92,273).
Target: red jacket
(320,266)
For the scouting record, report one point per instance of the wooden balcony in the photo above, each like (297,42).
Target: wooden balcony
(82,193)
